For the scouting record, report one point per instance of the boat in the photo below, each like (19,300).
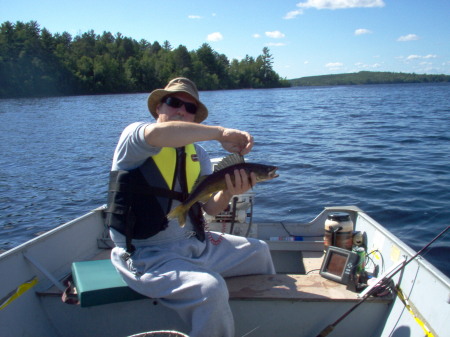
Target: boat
(300,300)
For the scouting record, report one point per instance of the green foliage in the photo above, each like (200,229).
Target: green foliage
(367,77)
(33,62)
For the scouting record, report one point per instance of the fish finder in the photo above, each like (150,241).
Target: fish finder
(339,264)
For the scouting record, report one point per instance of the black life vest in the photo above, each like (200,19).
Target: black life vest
(140,199)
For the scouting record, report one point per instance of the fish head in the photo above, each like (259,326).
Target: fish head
(264,172)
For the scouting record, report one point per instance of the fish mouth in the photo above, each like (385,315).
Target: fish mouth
(273,174)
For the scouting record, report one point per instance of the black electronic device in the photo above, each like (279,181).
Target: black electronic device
(339,264)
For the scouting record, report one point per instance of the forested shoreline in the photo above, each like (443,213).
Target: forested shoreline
(368,77)
(35,62)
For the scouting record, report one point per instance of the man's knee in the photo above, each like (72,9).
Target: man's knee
(214,287)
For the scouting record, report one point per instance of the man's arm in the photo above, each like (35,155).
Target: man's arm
(177,134)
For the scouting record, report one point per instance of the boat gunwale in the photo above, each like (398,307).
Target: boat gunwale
(58,229)
(407,249)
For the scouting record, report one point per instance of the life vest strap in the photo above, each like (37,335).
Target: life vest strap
(148,190)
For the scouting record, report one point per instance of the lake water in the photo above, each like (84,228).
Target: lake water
(384,148)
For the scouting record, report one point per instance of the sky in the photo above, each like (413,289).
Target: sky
(305,38)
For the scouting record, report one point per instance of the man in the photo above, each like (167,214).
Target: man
(154,167)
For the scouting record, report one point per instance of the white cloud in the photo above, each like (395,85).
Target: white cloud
(256,36)
(362,31)
(334,65)
(194,17)
(340,4)
(293,14)
(214,37)
(409,37)
(418,57)
(361,65)
(275,34)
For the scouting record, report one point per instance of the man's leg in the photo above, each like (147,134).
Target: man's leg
(199,296)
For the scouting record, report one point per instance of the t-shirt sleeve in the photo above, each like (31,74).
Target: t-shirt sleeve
(132,149)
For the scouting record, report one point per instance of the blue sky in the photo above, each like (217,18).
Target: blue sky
(306,38)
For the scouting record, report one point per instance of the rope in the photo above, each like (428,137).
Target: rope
(408,307)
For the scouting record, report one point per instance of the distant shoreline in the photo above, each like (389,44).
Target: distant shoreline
(368,77)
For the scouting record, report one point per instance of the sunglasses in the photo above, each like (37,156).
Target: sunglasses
(174,102)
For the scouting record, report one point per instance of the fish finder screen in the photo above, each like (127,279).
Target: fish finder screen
(336,264)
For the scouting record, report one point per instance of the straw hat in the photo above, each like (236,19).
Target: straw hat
(179,84)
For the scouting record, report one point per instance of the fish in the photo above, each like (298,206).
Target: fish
(215,182)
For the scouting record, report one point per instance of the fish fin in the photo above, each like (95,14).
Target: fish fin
(228,161)
(179,212)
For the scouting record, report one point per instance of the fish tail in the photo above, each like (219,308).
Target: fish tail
(179,212)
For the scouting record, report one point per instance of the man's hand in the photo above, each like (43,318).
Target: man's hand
(242,182)
(236,141)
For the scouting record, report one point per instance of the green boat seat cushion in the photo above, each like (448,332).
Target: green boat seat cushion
(98,282)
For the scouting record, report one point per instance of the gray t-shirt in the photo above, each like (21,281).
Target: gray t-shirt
(131,152)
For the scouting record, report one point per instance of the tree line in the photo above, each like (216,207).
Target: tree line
(35,62)
(368,77)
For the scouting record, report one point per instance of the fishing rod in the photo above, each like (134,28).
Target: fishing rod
(382,282)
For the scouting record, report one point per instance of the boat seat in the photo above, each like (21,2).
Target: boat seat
(98,282)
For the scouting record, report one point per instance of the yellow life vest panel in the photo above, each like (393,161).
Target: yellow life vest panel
(166,160)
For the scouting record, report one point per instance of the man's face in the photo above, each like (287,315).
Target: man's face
(167,113)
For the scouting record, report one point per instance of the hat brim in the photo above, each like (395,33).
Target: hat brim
(157,95)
